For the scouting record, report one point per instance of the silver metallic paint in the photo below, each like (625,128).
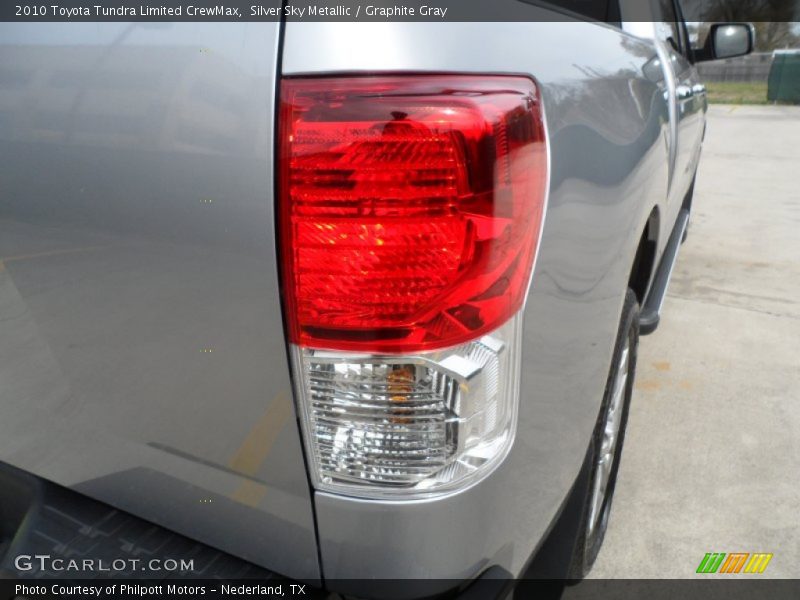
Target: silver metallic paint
(137,232)
(142,355)
(607,123)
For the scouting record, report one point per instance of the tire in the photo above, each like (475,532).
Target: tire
(596,506)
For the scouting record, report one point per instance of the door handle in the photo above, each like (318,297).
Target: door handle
(684,92)
(699,89)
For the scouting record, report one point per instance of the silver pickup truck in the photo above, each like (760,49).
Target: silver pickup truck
(335,300)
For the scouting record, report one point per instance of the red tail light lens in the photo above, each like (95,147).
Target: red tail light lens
(410,207)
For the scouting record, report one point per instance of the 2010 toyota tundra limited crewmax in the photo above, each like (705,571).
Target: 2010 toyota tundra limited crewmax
(332,300)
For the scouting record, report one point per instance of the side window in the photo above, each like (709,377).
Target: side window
(686,43)
(668,28)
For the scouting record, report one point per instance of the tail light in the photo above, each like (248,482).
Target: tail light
(410,211)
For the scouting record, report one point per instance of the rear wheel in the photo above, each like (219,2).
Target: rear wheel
(607,441)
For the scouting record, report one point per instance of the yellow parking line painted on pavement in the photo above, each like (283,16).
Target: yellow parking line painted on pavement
(250,493)
(256,448)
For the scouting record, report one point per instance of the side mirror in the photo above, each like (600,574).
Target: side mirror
(727,40)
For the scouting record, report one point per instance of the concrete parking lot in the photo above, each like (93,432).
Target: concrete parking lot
(712,456)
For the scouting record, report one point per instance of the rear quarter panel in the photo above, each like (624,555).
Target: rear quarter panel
(607,123)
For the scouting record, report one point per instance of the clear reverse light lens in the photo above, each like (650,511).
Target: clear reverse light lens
(383,426)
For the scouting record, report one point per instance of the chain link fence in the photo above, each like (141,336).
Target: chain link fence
(753,68)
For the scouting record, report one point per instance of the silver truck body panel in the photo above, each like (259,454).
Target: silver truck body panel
(142,359)
(142,349)
(608,126)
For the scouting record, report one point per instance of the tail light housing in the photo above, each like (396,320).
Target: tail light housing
(410,209)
